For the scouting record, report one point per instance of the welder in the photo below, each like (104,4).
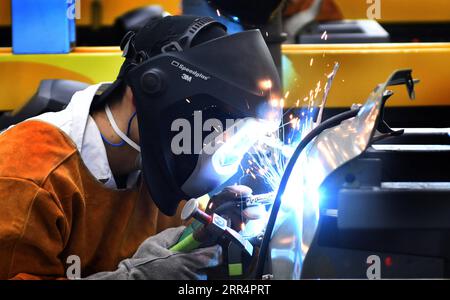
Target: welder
(99,179)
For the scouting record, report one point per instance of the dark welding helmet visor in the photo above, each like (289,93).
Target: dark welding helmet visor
(200,110)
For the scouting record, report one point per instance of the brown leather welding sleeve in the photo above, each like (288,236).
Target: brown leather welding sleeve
(51,208)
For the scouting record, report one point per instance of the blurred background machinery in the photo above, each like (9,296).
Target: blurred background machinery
(393,202)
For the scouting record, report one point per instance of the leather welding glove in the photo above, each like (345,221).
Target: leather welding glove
(153,260)
(229,194)
(226,204)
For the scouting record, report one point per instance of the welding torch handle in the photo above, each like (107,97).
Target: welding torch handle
(186,245)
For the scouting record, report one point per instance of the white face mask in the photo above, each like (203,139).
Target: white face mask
(117,130)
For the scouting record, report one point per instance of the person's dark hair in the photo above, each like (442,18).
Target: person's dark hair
(106,95)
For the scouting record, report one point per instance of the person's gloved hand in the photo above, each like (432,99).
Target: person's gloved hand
(228,195)
(154,260)
(227,203)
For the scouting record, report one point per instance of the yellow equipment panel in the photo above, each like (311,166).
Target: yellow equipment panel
(20,75)
(398,10)
(391,10)
(5,12)
(111,9)
(362,67)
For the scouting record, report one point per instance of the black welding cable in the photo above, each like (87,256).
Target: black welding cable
(329,123)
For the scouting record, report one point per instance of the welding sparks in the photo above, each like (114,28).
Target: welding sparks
(265,84)
(268,158)
(317,90)
(188,101)
(328,85)
(311,62)
(324,36)
(218,12)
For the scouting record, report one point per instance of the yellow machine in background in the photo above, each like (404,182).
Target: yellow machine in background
(362,66)
(5,12)
(391,10)
(20,75)
(396,11)
(110,9)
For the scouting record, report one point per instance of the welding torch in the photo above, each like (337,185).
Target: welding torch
(214,225)
(196,236)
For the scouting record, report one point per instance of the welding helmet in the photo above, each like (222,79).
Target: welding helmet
(202,99)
